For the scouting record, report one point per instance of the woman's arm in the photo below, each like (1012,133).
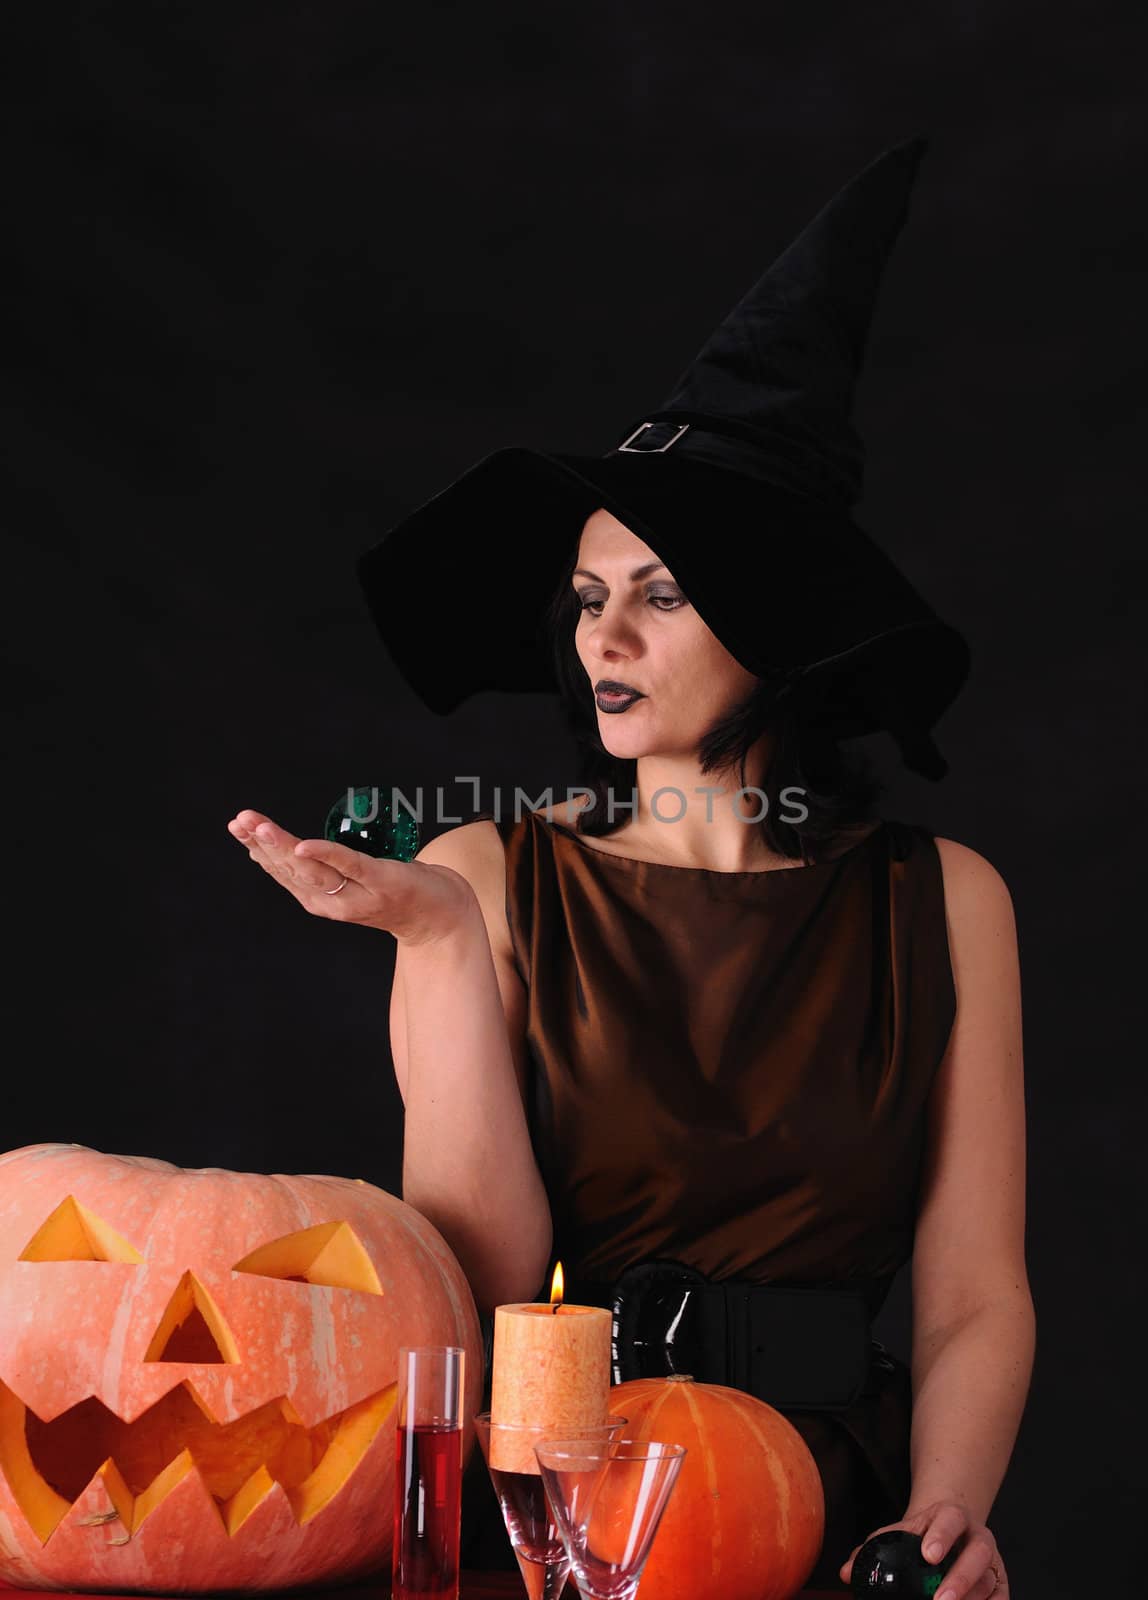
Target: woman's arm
(974,1326)
(457,1023)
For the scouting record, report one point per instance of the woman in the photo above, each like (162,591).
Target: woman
(774,1089)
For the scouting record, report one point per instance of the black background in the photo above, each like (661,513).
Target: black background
(283,271)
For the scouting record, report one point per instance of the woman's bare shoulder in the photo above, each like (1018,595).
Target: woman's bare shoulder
(473,848)
(476,849)
(978,905)
(967,869)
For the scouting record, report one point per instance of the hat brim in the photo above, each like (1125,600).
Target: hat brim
(459,589)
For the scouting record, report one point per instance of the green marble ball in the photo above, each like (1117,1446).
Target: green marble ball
(372,820)
(891,1564)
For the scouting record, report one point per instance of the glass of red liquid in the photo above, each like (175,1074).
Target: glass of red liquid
(428,1473)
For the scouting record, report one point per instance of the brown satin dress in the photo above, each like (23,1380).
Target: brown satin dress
(732,1069)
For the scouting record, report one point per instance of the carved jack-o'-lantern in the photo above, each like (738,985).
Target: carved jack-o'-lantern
(198,1368)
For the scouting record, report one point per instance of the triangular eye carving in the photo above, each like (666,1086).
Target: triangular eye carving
(73,1233)
(330,1253)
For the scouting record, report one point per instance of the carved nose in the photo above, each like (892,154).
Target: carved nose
(192,1328)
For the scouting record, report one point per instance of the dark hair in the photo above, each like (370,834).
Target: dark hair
(839,789)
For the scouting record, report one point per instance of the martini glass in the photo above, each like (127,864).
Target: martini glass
(607,1498)
(513,1466)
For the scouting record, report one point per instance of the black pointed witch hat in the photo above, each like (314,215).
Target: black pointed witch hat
(752,459)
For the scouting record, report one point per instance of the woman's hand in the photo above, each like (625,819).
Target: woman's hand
(941,1525)
(417,902)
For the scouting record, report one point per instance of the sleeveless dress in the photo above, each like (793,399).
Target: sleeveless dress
(732,1069)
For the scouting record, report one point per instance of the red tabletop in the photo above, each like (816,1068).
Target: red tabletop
(475,1586)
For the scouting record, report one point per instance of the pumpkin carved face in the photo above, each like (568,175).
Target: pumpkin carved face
(198,1367)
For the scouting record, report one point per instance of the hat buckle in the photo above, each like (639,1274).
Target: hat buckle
(650,449)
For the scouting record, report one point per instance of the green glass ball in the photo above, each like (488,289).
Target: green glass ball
(370,819)
(892,1564)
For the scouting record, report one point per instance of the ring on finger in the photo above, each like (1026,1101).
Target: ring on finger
(343,885)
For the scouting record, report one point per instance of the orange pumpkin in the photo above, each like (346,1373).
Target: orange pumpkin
(198,1370)
(747,1516)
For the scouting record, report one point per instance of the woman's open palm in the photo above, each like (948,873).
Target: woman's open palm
(414,900)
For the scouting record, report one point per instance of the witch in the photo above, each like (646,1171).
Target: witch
(712,1032)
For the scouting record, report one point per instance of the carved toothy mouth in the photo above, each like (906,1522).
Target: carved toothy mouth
(48,1465)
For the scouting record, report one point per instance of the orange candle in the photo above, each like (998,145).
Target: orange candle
(550,1370)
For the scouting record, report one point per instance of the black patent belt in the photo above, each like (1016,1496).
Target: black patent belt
(806,1349)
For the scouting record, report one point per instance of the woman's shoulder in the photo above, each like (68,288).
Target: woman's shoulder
(978,907)
(976,895)
(481,843)
(959,862)
(469,846)
(980,929)
(974,892)
(965,869)
(476,851)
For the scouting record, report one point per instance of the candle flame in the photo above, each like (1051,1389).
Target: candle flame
(557,1286)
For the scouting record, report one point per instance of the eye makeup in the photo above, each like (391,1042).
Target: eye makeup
(664,599)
